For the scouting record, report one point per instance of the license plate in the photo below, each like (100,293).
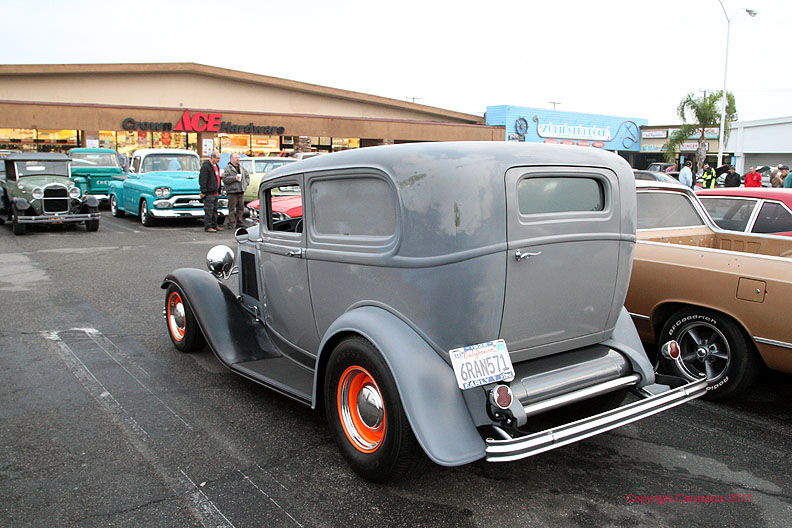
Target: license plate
(195,202)
(481,364)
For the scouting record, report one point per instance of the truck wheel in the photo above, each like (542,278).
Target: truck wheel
(366,416)
(114,210)
(183,328)
(92,225)
(145,215)
(713,344)
(17,227)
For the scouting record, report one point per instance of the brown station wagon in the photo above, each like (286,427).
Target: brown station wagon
(723,296)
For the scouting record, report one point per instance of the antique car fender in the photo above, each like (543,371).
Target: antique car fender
(427,386)
(91,201)
(626,340)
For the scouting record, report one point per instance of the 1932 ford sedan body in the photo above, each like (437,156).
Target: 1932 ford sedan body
(434,298)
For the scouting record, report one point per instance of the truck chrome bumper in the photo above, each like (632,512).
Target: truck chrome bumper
(58,218)
(177,213)
(524,446)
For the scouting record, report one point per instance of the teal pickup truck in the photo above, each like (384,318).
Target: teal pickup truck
(92,169)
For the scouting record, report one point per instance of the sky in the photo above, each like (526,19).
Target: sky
(627,58)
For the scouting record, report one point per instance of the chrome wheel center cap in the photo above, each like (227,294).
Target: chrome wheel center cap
(369,404)
(178,315)
(702,353)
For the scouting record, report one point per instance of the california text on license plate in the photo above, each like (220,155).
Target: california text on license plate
(481,364)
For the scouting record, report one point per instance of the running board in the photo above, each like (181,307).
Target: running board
(525,446)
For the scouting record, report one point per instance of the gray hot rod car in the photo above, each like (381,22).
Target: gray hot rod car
(435,298)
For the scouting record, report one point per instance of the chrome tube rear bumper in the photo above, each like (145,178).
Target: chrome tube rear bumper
(533,444)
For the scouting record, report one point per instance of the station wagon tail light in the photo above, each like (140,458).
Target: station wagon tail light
(38,193)
(501,396)
(74,192)
(162,192)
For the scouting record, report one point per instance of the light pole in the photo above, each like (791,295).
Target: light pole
(721,137)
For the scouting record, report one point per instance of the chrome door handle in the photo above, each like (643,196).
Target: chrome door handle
(295,253)
(519,255)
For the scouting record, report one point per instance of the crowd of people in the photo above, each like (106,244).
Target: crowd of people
(779,177)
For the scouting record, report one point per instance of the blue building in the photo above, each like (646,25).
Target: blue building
(617,134)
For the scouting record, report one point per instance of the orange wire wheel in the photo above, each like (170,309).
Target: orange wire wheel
(177,322)
(361,409)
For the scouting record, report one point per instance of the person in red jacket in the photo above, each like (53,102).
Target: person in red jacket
(753,178)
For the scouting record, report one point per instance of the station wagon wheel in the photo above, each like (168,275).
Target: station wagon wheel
(145,215)
(183,328)
(16,227)
(366,416)
(114,210)
(714,345)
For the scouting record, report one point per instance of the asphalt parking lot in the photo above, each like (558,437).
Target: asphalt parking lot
(104,423)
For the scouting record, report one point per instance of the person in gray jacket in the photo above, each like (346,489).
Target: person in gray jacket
(235,180)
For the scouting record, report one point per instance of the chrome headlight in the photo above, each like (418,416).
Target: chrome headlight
(162,192)
(38,193)
(222,202)
(74,192)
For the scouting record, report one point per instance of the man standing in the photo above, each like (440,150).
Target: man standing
(786,176)
(753,178)
(732,179)
(686,175)
(776,180)
(708,177)
(236,180)
(209,179)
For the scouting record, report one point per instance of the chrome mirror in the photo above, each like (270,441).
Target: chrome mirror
(220,261)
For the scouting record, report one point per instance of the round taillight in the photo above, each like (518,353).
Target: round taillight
(670,350)
(501,396)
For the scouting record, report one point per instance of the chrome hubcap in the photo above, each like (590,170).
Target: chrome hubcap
(369,403)
(176,316)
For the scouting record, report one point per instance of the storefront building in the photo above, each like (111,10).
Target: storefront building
(621,135)
(761,142)
(186,105)
(655,138)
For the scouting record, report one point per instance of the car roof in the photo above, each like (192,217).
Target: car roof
(146,152)
(92,149)
(647,184)
(766,193)
(37,156)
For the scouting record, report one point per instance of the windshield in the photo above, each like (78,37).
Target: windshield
(94,159)
(38,168)
(170,162)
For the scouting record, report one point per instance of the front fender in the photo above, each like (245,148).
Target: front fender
(427,386)
(91,201)
(20,203)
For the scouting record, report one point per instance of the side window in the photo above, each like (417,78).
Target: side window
(136,164)
(345,207)
(666,209)
(560,195)
(729,213)
(283,208)
(247,164)
(773,218)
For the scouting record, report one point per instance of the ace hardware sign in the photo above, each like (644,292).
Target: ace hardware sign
(201,122)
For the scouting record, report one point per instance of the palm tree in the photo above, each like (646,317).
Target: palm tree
(698,114)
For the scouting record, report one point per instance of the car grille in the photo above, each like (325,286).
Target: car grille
(56,199)
(185,201)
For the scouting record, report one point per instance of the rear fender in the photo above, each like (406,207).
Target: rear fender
(625,339)
(427,386)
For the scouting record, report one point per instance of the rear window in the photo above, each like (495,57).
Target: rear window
(729,213)
(559,195)
(666,209)
(773,218)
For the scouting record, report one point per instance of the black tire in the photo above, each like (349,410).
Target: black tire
(220,219)
(114,210)
(383,448)
(145,215)
(16,227)
(711,343)
(183,329)
(92,225)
